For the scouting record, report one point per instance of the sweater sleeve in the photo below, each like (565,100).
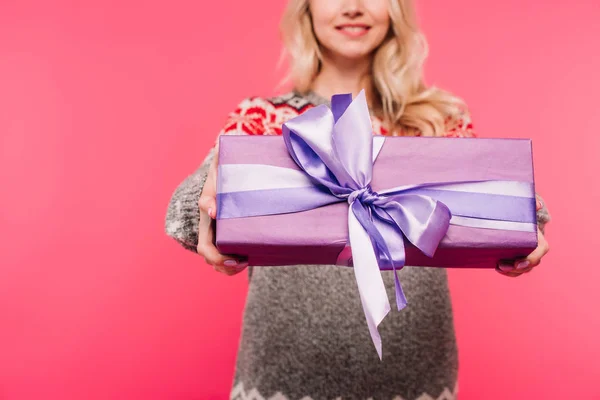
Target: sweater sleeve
(250,117)
(460,126)
(183,213)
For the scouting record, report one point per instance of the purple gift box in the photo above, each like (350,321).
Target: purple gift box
(320,235)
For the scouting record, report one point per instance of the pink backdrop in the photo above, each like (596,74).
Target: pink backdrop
(105,107)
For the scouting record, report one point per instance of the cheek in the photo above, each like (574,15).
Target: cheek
(321,32)
(323,12)
(323,15)
(379,11)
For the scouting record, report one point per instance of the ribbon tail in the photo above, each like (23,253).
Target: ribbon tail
(395,257)
(401,301)
(370,284)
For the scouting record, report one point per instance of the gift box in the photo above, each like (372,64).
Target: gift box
(329,192)
(320,235)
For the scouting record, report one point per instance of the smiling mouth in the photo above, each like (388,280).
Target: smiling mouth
(353,29)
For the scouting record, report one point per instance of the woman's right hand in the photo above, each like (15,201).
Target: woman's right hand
(228,265)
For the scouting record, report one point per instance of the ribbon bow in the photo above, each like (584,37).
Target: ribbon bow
(334,147)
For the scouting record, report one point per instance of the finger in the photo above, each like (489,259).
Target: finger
(518,272)
(208,205)
(212,172)
(210,252)
(514,273)
(207,248)
(538,204)
(205,232)
(229,270)
(528,269)
(511,273)
(213,257)
(507,268)
(534,259)
(207,202)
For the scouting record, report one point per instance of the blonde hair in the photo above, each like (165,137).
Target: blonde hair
(400,96)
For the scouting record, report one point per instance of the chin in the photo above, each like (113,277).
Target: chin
(350,54)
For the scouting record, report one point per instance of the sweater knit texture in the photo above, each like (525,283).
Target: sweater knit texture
(304,334)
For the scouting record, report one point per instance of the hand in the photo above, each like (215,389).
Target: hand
(522,266)
(228,265)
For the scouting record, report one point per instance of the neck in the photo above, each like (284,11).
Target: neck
(343,76)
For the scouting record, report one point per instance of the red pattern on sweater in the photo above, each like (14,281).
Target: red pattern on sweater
(260,116)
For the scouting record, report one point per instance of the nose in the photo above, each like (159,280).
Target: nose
(353,8)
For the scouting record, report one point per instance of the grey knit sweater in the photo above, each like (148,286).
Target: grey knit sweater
(304,334)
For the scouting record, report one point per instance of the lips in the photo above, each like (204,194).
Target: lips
(353,27)
(353,30)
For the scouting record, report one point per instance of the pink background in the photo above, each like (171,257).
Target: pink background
(105,107)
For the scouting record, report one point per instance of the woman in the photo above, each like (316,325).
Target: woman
(304,333)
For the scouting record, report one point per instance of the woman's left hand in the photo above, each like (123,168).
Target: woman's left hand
(524,265)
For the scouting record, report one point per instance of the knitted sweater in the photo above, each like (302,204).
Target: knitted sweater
(304,335)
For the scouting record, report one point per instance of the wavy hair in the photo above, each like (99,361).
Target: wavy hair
(399,95)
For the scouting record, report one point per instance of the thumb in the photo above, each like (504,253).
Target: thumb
(538,203)
(208,205)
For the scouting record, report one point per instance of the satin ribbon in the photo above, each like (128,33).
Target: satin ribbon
(335,150)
